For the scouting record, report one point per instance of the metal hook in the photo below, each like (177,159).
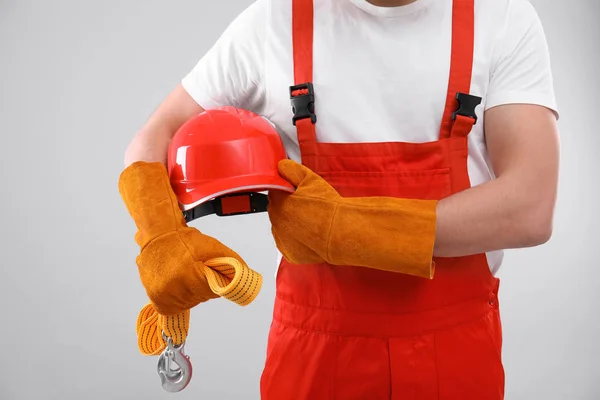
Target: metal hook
(174,379)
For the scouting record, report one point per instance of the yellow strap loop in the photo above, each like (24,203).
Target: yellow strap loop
(227,277)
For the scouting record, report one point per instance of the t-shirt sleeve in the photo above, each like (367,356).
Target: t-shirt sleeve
(521,70)
(230,73)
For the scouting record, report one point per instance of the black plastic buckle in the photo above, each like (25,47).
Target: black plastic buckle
(303,105)
(195,213)
(258,203)
(467,104)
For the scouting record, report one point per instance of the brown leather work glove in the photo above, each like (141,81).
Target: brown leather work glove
(315,224)
(171,255)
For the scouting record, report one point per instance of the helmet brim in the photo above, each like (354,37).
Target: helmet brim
(204,192)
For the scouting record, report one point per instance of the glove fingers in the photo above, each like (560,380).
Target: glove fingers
(292,171)
(307,182)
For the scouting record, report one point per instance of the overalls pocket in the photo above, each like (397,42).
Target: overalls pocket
(433,184)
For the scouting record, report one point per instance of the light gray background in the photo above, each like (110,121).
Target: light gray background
(78,78)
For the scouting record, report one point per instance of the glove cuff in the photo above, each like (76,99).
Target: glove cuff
(146,191)
(396,235)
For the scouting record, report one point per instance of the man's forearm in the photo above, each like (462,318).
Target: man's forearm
(149,146)
(151,143)
(494,216)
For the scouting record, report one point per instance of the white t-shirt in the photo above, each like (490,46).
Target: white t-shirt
(380,73)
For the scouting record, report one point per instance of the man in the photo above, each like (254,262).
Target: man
(432,147)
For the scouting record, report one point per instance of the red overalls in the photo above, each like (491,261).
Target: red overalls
(356,333)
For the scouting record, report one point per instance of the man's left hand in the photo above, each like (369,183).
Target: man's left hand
(316,224)
(301,221)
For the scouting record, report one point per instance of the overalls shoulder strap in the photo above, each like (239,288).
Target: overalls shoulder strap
(459,113)
(302,92)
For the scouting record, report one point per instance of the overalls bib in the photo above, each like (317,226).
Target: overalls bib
(344,332)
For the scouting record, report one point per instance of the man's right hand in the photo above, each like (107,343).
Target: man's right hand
(171,253)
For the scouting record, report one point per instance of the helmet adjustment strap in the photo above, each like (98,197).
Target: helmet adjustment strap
(228,205)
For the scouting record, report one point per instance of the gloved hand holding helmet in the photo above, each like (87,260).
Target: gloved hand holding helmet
(316,224)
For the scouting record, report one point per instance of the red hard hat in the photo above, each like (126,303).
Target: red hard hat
(220,159)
